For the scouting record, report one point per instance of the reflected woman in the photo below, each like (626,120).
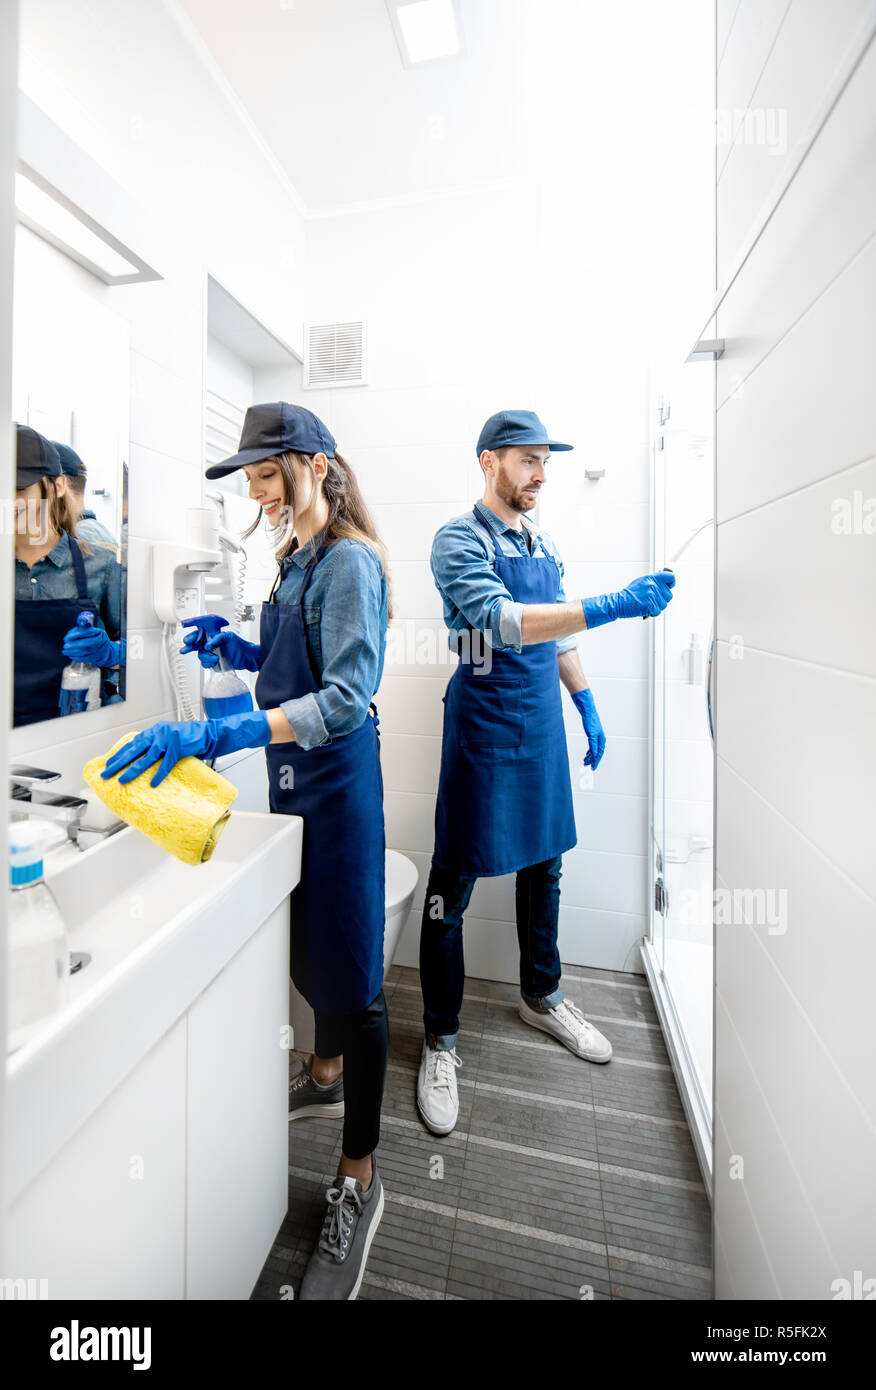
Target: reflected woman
(57,577)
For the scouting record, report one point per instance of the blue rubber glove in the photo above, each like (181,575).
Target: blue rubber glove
(240,654)
(92,644)
(643,598)
(584,703)
(200,738)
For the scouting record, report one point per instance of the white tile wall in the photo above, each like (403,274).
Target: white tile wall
(791,82)
(796,767)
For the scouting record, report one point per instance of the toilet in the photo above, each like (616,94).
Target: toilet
(401,883)
(247,772)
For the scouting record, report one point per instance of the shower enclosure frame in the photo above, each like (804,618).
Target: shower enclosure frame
(698,1106)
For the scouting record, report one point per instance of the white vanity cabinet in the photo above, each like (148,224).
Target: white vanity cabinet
(106,1218)
(147,1130)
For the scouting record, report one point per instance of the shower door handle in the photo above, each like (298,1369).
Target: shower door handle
(709,666)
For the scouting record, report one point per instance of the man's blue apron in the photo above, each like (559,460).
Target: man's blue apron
(339,904)
(40,626)
(505,792)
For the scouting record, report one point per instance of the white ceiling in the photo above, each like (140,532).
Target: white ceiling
(323,82)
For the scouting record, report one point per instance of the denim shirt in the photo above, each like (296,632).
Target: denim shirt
(53,577)
(463,554)
(345,616)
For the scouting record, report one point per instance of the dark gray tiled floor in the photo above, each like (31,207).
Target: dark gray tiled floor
(562,1180)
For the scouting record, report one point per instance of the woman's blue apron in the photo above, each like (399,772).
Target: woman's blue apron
(505,791)
(40,627)
(339,904)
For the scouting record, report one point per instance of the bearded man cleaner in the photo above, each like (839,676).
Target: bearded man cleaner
(504,797)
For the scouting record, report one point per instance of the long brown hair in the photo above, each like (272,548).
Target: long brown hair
(348,518)
(61,514)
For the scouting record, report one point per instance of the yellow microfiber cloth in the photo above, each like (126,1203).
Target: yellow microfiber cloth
(185,814)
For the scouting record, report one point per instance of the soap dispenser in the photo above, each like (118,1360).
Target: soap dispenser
(38,954)
(694,655)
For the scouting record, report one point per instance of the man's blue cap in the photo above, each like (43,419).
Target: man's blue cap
(71,463)
(36,457)
(276,429)
(516,427)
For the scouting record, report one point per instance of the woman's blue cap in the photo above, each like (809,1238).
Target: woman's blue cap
(36,457)
(71,463)
(276,429)
(516,427)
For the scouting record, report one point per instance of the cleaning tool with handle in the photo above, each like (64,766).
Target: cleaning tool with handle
(185,814)
(642,598)
(38,952)
(199,738)
(224,692)
(80,680)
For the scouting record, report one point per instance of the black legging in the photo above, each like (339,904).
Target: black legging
(363,1041)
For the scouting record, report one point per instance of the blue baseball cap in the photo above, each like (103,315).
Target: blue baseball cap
(516,427)
(274,429)
(71,463)
(36,457)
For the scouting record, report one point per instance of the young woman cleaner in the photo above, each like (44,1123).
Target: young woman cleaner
(320,659)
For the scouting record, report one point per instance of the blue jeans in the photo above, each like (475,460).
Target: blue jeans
(442,965)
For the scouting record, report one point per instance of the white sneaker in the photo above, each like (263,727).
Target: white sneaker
(567,1023)
(437,1100)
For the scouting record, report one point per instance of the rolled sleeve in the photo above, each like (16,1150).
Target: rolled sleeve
(352,627)
(466,578)
(305,717)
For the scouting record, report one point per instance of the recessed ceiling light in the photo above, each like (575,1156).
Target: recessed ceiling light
(426,29)
(63,226)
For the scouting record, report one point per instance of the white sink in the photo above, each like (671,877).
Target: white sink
(158,932)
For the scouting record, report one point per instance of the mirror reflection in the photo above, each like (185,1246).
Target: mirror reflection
(69,641)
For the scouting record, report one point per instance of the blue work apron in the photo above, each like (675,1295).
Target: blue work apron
(339,904)
(40,627)
(505,792)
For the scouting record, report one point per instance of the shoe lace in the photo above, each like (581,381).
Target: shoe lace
(344,1204)
(573,1018)
(299,1080)
(442,1067)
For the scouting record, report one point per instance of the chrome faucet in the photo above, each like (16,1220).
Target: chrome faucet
(27,799)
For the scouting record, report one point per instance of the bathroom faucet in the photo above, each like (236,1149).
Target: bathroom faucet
(62,810)
(28,799)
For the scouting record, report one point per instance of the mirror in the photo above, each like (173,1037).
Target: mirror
(70,396)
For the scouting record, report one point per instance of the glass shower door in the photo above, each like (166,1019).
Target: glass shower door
(679,952)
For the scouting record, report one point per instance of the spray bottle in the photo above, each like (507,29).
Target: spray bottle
(224,692)
(80,680)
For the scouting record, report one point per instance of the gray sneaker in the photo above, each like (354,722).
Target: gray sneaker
(308,1098)
(337,1265)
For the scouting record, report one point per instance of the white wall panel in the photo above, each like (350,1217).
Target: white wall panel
(803,736)
(809,410)
(773,589)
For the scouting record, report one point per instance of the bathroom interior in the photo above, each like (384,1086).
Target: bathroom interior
(654,223)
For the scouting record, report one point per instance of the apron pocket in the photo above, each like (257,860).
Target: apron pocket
(489,714)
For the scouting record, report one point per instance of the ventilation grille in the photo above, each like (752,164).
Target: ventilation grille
(334,354)
(224,423)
